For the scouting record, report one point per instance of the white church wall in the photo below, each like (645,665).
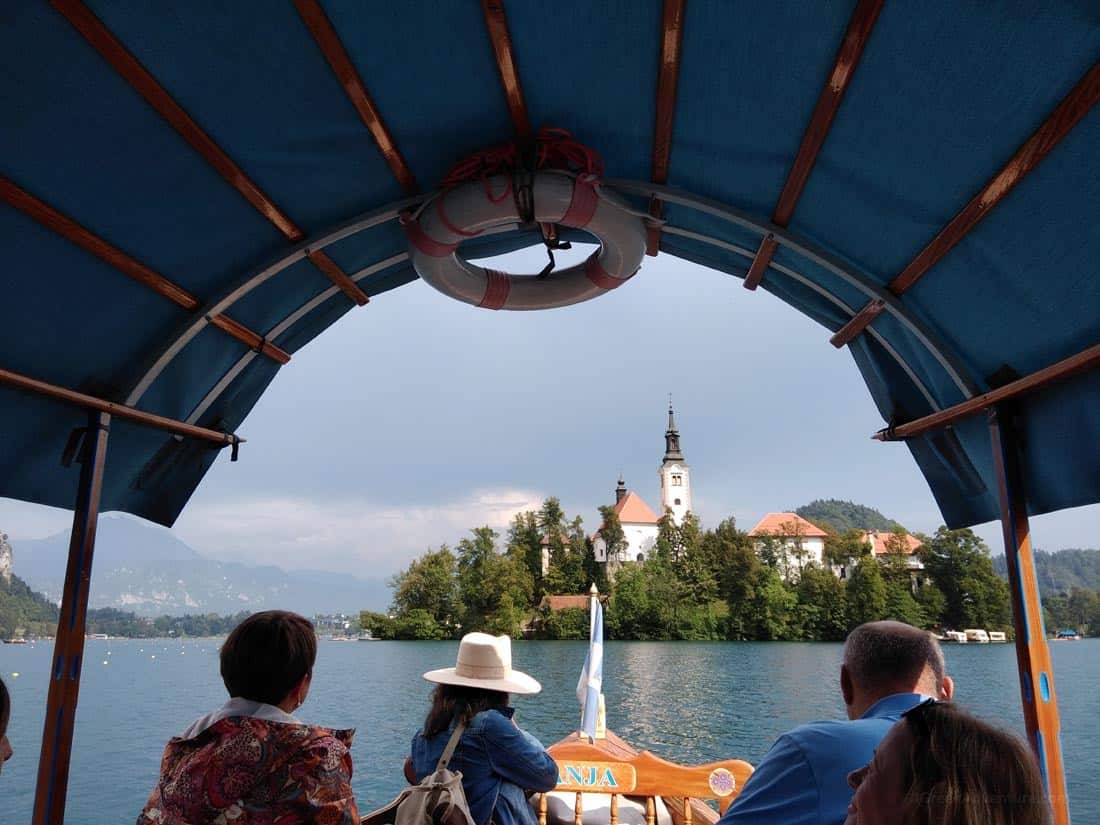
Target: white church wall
(640,539)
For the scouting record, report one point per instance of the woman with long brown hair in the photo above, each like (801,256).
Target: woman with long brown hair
(941,766)
(498,761)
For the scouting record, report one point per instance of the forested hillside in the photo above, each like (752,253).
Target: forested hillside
(842,516)
(1061,572)
(24,611)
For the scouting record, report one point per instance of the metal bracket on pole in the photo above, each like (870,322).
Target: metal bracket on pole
(68,650)
(1040,703)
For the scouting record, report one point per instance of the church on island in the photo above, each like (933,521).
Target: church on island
(791,539)
(637,518)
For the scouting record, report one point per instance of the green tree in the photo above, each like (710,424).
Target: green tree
(844,548)
(495,590)
(429,583)
(866,592)
(525,537)
(628,614)
(418,624)
(571,623)
(900,602)
(770,609)
(380,625)
(821,599)
(733,561)
(611,530)
(959,565)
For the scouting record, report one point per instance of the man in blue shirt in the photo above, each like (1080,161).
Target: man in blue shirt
(888,668)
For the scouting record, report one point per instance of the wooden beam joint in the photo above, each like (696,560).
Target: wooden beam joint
(761,261)
(859,322)
(1082,361)
(497,23)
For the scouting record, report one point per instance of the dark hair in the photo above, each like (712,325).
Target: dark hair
(880,655)
(5,707)
(459,702)
(268,654)
(966,772)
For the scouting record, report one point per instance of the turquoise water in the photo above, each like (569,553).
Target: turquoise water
(690,702)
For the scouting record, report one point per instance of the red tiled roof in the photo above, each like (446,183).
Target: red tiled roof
(556,603)
(635,511)
(878,539)
(786,524)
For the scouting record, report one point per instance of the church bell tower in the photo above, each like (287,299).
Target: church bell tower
(675,473)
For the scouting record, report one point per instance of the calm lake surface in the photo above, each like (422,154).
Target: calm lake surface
(690,702)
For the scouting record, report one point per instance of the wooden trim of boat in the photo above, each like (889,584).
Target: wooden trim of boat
(682,788)
(1086,360)
(828,102)
(92,29)
(1065,116)
(328,41)
(668,74)
(496,22)
(81,236)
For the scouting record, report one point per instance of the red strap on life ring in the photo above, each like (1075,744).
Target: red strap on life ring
(496,289)
(447,221)
(598,275)
(424,242)
(582,206)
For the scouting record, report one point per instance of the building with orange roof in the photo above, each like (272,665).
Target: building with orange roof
(795,542)
(639,524)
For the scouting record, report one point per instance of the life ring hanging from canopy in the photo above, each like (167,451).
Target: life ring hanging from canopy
(494,189)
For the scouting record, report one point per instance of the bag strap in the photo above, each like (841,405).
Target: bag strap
(452,743)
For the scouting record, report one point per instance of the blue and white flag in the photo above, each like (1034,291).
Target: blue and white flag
(591,682)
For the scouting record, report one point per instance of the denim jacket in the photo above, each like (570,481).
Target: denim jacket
(498,762)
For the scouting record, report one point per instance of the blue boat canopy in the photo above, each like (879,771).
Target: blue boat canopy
(194,190)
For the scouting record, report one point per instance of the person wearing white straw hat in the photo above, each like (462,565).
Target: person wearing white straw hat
(498,761)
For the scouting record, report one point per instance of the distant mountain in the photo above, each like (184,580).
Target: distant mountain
(147,570)
(846,515)
(1061,571)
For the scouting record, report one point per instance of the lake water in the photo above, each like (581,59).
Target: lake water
(690,702)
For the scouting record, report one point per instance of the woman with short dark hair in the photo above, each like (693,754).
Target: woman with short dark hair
(5,715)
(939,765)
(251,760)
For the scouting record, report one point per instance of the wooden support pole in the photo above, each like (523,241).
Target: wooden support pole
(68,650)
(1032,652)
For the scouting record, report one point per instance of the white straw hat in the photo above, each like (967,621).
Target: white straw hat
(485,661)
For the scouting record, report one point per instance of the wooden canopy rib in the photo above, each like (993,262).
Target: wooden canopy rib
(91,402)
(92,29)
(69,229)
(333,49)
(1068,113)
(851,49)
(1088,359)
(668,75)
(496,21)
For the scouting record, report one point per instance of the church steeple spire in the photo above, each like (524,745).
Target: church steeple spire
(672,436)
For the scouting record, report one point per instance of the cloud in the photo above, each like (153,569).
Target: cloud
(353,535)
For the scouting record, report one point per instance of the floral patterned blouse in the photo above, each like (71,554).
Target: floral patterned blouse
(243,770)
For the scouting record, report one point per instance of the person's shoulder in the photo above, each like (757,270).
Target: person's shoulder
(492,718)
(835,734)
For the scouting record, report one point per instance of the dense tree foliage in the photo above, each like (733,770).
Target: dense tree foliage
(842,516)
(694,584)
(22,611)
(959,565)
(1060,573)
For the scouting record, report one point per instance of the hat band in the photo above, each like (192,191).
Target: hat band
(472,671)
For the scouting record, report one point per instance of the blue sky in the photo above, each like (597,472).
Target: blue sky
(417,417)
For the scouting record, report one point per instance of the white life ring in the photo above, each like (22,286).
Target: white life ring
(469,209)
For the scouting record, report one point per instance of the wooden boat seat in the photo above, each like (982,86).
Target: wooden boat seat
(612,767)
